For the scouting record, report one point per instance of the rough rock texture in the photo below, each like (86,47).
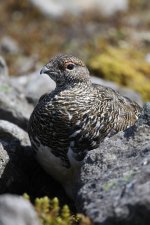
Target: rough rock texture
(22,214)
(16,158)
(14,106)
(26,84)
(115,179)
(3,69)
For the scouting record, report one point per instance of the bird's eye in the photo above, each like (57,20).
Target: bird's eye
(70,66)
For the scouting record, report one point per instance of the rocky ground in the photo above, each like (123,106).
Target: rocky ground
(114,186)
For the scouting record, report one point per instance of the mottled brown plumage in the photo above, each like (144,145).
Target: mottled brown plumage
(75,117)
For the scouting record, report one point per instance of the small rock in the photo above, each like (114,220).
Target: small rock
(15,210)
(9,131)
(3,69)
(16,157)
(33,85)
(9,45)
(13,106)
(25,64)
(147,58)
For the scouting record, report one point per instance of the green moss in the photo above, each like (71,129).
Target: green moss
(50,213)
(125,67)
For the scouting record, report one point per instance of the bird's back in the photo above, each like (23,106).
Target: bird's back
(122,112)
(78,119)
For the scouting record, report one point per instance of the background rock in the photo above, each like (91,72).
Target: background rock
(33,85)
(15,210)
(14,107)
(58,8)
(3,69)
(9,45)
(115,179)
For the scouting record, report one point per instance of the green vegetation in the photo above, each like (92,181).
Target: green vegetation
(126,67)
(50,213)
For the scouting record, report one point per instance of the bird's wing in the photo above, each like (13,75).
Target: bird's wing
(112,113)
(124,110)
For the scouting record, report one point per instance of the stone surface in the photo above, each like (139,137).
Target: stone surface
(3,69)
(115,179)
(9,45)
(58,8)
(26,84)
(15,210)
(16,158)
(13,105)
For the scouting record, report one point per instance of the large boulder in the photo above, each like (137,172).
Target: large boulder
(115,178)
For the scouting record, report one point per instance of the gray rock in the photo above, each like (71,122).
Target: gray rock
(3,69)
(13,105)
(9,131)
(9,45)
(26,84)
(115,179)
(15,210)
(59,8)
(25,64)
(16,158)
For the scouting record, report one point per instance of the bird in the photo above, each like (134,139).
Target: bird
(74,119)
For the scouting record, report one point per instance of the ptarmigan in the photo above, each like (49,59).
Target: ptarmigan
(75,118)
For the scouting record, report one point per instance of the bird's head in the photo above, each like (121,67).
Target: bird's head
(65,69)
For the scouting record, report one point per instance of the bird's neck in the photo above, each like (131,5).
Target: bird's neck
(70,85)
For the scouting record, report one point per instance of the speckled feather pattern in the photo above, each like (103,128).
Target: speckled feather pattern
(77,115)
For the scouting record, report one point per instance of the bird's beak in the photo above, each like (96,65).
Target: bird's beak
(44,70)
